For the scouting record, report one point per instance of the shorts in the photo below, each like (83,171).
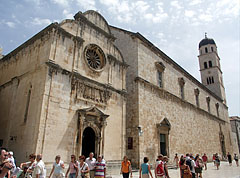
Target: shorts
(198,170)
(145,176)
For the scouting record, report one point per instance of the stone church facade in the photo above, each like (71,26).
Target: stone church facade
(83,86)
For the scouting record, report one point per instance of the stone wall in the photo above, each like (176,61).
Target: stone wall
(192,130)
(22,81)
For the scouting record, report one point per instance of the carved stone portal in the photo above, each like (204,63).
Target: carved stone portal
(96,120)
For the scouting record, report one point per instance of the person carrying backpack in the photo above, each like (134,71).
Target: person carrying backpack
(159,169)
(191,163)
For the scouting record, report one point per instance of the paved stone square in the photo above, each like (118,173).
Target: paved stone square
(225,171)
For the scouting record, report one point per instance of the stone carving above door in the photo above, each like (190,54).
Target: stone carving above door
(96,94)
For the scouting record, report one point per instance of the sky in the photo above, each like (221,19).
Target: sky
(175,26)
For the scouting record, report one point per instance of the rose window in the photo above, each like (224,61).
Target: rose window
(94,57)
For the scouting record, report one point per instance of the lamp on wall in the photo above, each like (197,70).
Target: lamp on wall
(140,132)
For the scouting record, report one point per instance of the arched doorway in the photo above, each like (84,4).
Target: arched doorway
(88,141)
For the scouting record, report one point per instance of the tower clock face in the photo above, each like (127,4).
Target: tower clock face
(95,57)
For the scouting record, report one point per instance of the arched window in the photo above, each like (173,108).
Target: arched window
(212,80)
(210,63)
(160,69)
(207,81)
(212,49)
(205,65)
(181,82)
(196,92)
(206,50)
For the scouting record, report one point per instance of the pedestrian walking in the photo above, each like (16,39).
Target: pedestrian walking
(217,161)
(145,169)
(126,167)
(205,160)
(213,158)
(198,167)
(57,169)
(100,168)
(83,168)
(184,169)
(176,160)
(229,157)
(236,159)
(91,164)
(165,160)
(39,170)
(72,168)
(159,167)
(191,163)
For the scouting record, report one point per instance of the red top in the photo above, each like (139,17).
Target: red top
(213,157)
(204,158)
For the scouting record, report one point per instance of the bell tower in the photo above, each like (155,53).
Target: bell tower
(210,68)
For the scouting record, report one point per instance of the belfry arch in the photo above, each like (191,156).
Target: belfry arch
(91,125)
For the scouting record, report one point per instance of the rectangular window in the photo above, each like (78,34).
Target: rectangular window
(197,100)
(182,92)
(210,63)
(130,143)
(160,79)
(205,65)
(163,144)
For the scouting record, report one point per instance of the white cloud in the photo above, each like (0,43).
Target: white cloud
(87,5)
(155,18)
(176,4)
(141,6)
(195,2)
(228,7)
(10,24)
(109,2)
(64,3)
(206,17)
(160,6)
(38,21)
(124,11)
(189,13)
(67,14)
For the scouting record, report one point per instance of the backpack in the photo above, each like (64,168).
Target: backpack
(188,162)
(160,169)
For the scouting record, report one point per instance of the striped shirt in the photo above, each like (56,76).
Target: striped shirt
(99,169)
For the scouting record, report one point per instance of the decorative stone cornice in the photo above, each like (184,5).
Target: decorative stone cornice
(167,95)
(55,68)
